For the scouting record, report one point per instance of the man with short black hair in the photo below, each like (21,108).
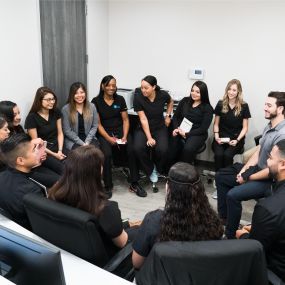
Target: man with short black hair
(21,155)
(251,181)
(268,220)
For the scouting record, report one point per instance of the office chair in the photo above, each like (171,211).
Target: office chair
(77,232)
(219,262)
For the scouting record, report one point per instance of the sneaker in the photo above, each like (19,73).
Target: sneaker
(215,195)
(154,188)
(136,188)
(153,177)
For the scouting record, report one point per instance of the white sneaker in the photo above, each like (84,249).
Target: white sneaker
(154,177)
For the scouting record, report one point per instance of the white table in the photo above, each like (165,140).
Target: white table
(76,270)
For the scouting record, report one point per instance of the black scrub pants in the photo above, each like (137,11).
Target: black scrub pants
(146,155)
(185,149)
(109,150)
(224,153)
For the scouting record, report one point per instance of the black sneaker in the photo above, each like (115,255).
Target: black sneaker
(154,188)
(136,188)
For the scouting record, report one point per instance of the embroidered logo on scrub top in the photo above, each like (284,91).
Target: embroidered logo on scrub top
(116,106)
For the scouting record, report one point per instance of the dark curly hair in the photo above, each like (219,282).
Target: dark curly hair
(188,215)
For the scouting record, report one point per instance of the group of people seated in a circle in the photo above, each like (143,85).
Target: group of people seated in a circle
(71,151)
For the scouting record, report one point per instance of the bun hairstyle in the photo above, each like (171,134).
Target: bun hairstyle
(152,81)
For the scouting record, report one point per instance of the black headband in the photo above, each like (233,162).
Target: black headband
(185,183)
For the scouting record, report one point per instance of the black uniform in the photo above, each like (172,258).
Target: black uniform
(111,120)
(154,113)
(230,126)
(201,118)
(14,186)
(47,130)
(268,227)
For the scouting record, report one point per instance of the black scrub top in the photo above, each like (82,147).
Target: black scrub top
(201,116)
(153,110)
(110,116)
(231,125)
(46,129)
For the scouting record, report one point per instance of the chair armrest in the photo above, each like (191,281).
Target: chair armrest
(119,257)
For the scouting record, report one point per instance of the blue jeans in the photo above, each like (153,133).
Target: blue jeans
(231,194)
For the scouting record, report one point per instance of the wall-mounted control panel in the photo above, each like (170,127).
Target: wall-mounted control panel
(196,73)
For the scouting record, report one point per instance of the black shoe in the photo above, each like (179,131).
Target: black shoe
(154,188)
(108,192)
(136,188)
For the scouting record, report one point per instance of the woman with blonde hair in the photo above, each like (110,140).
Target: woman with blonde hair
(230,125)
(79,118)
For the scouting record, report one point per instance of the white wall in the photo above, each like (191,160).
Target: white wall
(20,49)
(97,43)
(232,39)
(20,52)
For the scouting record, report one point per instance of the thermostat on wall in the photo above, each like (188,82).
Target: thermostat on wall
(196,73)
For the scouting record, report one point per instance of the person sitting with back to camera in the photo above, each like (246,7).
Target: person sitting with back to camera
(187,215)
(231,123)
(21,154)
(79,118)
(81,187)
(152,131)
(197,110)
(113,134)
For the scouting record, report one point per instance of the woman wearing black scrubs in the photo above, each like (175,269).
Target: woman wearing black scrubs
(152,131)
(197,109)
(44,121)
(113,133)
(231,122)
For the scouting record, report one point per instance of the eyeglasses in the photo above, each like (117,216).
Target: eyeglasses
(49,99)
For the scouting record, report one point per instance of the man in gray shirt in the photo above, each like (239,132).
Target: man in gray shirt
(252,180)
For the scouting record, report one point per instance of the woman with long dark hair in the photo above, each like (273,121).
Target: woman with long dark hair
(187,215)
(79,118)
(113,133)
(81,187)
(152,132)
(4,134)
(197,109)
(12,115)
(44,121)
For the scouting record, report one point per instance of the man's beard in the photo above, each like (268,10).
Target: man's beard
(272,116)
(272,174)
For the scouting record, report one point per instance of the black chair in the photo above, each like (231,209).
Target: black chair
(222,262)
(77,232)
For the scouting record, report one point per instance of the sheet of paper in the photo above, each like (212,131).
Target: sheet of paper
(185,125)
(119,141)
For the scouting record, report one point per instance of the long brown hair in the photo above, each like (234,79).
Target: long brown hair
(40,94)
(188,215)
(72,105)
(81,186)
(239,98)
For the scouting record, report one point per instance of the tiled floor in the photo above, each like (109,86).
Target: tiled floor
(134,207)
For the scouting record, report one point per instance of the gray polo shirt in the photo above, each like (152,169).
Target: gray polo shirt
(269,138)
